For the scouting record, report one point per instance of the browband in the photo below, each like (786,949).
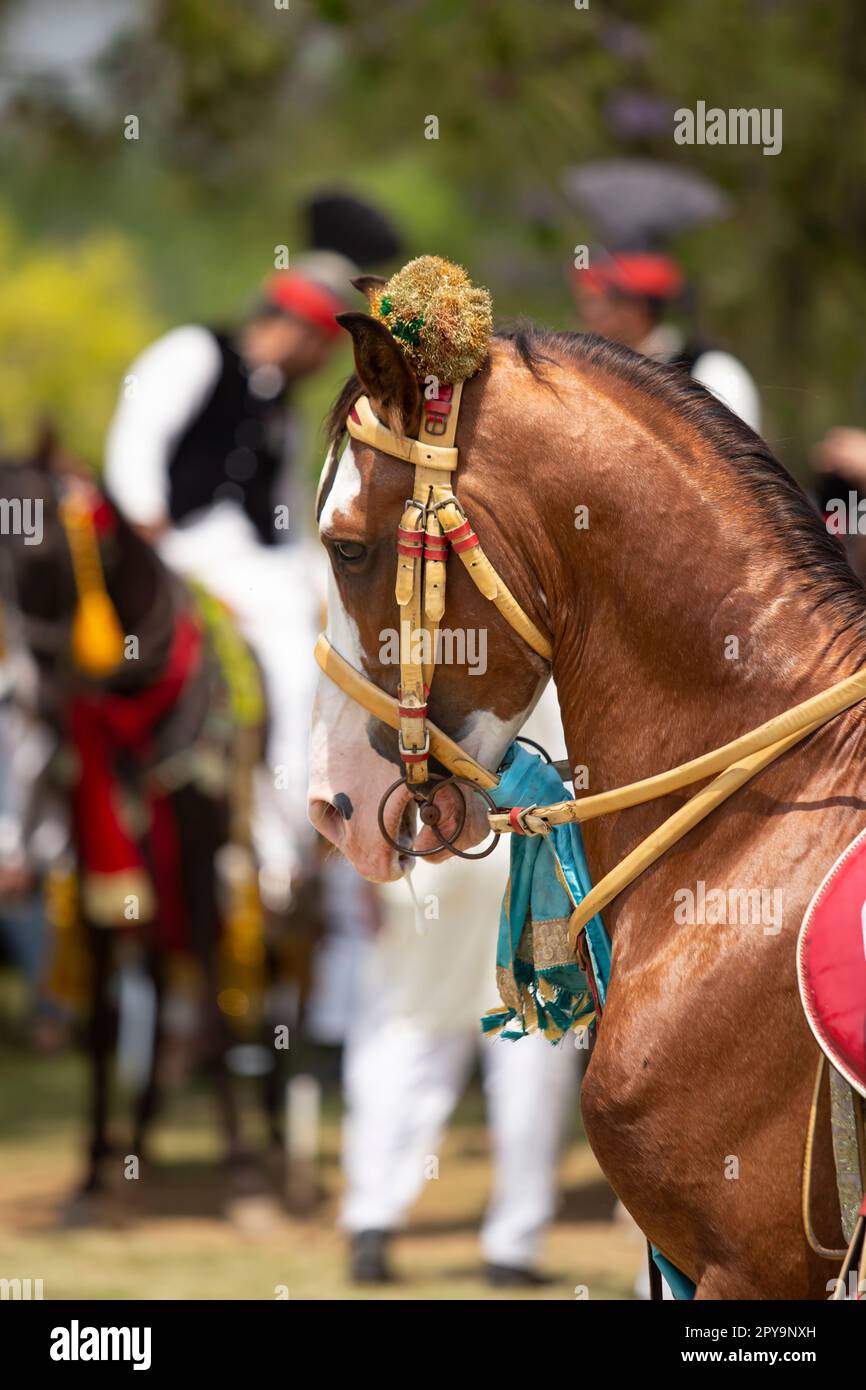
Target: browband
(362,424)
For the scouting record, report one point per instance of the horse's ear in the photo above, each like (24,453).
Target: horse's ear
(383,370)
(369,284)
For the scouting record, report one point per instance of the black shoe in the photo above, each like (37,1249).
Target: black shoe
(369,1262)
(515,1277)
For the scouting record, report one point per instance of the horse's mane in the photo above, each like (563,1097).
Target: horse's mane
(817,559)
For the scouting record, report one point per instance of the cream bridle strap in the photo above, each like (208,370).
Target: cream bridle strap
(433,522)
(384,707)
(731,766)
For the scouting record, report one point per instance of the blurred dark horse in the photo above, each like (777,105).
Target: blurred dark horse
(154,606)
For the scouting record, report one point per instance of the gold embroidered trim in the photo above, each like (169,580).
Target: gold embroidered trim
(508,991)
(545,944)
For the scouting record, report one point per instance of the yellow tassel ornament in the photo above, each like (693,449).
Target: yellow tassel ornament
(97,637)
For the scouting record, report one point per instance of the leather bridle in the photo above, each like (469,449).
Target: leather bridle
(433,521)
(432,525)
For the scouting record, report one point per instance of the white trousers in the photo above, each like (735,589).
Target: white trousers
(270,590)
(402,1082)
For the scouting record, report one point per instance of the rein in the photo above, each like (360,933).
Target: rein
(432,520)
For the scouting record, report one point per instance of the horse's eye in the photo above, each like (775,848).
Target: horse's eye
(352,551)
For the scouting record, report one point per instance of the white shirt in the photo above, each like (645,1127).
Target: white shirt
(162,391)
(720,372)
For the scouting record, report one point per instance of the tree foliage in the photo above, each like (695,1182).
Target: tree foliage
(244,106)
(70,321)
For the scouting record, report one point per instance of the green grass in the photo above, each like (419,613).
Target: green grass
(175,1233)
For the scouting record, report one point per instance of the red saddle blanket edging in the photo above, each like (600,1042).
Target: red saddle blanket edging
(111,854)
(831,964)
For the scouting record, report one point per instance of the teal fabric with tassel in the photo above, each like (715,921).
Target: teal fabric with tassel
(541,985)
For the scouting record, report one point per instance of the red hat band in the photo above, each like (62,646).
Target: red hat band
(295,294)
(646,274)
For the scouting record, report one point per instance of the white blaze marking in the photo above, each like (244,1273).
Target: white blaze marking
(323,475)
(342,630)
(341,759)
(341,756)
(333,710)
(486,737)
(345,489)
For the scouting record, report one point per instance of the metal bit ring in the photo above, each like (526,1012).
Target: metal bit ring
(429,814)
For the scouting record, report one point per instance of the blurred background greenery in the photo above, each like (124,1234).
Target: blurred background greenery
(245,105)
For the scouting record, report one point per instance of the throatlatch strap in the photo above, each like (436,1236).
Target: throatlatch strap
(465,543)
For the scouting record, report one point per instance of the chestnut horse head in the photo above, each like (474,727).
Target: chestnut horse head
(690,593)
(630,514)
(486,679)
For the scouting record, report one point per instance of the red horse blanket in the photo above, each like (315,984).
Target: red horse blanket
(831,964)
(127,845)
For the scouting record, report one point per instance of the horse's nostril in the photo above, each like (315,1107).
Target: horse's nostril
(343,804)
(327,818)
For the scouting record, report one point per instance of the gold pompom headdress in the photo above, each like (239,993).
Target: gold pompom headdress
(439,319)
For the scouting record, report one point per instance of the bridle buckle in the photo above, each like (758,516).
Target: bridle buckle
(407,754)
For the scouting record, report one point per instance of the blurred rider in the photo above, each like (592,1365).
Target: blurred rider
(199,457)
(628,296)
(839,461)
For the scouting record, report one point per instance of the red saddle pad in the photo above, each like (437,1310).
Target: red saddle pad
(831,963)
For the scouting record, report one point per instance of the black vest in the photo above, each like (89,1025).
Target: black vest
(233,448)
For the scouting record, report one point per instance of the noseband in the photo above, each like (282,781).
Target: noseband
(433,524)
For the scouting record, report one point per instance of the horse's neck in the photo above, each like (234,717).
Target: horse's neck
(626,717)
(680,624)
(147,599)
